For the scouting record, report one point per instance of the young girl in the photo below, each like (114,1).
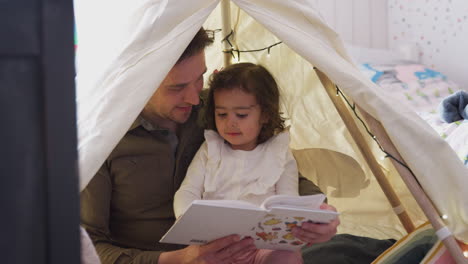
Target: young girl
(246,154)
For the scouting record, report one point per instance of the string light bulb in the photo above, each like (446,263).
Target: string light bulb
(465,253)
(445,217)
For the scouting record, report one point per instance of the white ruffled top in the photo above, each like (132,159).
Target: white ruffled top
(218,172)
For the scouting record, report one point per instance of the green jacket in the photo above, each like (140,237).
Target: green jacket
(128,205)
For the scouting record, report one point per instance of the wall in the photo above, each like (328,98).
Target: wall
(359,22)
(439,28)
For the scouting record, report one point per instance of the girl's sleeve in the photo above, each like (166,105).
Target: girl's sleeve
(289,179)
(192,186)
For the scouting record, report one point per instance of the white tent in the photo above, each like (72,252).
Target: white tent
(125,53)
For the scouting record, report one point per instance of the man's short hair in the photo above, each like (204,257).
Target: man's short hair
(198,44)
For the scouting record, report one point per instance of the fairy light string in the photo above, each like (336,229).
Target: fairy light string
(234,51)
(352,106)
(387,155)
(212,32)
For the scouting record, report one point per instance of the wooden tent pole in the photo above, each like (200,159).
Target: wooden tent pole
(418,193)
(226,29)
(366,152)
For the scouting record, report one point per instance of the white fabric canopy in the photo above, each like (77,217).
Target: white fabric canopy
(125,53)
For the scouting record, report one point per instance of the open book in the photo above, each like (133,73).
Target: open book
(269,225)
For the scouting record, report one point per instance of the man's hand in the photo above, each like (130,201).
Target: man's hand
(222,250)
(219,251)
(317,233)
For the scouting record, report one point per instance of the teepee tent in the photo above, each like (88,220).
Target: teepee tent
(122,59)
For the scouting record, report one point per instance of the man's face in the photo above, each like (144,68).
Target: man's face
(179,91)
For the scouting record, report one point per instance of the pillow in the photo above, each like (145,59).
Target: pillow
(420,88)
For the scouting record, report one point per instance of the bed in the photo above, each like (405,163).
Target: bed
(400,75)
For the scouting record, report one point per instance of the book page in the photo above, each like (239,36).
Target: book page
(202,223)
(308,201)
(274,230)
(227,203)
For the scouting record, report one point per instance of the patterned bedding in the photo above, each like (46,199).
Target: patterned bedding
(422,89)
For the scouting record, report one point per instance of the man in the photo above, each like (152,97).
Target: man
(127,206)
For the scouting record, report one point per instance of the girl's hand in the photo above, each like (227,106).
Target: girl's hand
(317,233)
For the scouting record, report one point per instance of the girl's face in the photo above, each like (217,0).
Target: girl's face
(238,118)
